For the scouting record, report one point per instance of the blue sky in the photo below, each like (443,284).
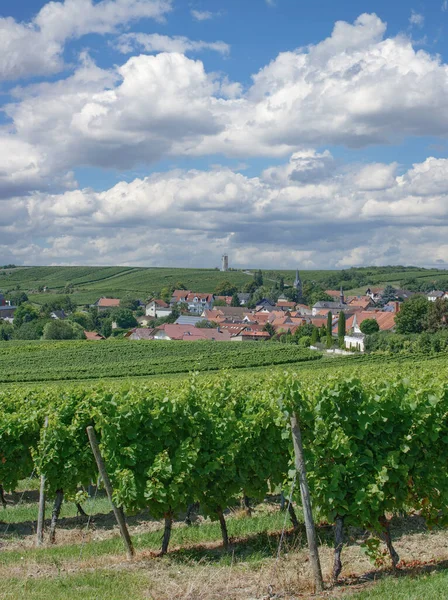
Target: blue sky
(281,132)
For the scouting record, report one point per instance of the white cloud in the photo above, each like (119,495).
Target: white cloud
(353,89)
(335,221)
(445,5)
(376,177)
(416,19)
(202,15)
(35,48)
(154,42)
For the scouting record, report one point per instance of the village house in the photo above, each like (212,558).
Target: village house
(140,333)
(243,298)
(157,309)
(179,297)
(251,336)
(363,302)
(197,303)
(235,313)
(6,309)
(355,339)
(436,295)
(107,304)
(334,307)
(190,333)
(375,293)
(58,315)
(144,320)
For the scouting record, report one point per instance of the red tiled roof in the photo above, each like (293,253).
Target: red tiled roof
(286,304)
(255,334)
(178,294)
(190,332)
(93,335)
(141,333)
(191,296)
(385,320)
(363,302)
(108,302)
(161,303)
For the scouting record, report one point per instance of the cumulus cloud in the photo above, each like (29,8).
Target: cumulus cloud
(35,48)
(154,42)
(282,219)
(355,88)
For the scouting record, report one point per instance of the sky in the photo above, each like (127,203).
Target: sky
(284,133)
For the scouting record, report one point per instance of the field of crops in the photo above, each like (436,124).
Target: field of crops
(74,360)
(89,283)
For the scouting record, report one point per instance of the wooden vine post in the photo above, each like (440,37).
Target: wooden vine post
(41,510)
(306,503)
(118,511)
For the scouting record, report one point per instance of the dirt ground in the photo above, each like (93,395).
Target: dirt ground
(198,573)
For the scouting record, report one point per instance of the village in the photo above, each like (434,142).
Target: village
(332,321)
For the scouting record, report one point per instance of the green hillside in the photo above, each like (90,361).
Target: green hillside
(90,283)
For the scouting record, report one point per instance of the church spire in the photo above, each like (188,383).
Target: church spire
(298,284)
(341,296)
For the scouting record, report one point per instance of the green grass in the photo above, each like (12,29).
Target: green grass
(257,525)
(95,585)
(27,511)
(432,586)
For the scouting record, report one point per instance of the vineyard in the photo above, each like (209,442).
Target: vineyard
(90,283)
(71,360)
(375,445)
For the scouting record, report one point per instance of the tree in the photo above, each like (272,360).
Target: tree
(315,336)
(31,330)
(66,304)
(18,298)
(63,330)
(369,326)
(84,319)
(124,318)
(413,315)
(437,315)
(303,330)
(258,278)
(204,324)
(6,331)
(388,295)
(106,327)
(225,288)
(250,287)
(24,314)
(329,341)
(130,303)
(219,302)
(180,286)
(305,341)
(341,329)
(235,300)
(269,328)
(167,293)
